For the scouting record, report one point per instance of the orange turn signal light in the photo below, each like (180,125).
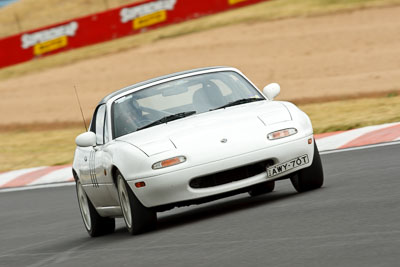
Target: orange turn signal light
(168,162)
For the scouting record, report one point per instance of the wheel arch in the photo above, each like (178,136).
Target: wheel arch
(75,175)
(114,170)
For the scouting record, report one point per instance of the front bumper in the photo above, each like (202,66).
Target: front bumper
(173,187)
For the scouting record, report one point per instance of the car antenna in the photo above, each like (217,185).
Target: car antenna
(80,106)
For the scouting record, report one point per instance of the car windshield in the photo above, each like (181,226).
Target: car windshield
(180,98)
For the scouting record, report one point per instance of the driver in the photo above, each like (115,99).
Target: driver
(136,111)
(129,117)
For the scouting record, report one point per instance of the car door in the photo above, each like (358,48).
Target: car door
(98,180)
(87,155)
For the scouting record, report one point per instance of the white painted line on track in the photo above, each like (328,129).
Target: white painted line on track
(31,187)
(359,147)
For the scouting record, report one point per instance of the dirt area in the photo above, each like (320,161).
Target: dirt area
(344,54)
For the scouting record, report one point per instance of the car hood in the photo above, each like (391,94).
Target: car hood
(217,134)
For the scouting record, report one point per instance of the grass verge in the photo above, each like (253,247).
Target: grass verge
(23,147)
(265,11)
(355,113)
(30,148)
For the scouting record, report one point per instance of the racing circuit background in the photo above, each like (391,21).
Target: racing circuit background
(339,60)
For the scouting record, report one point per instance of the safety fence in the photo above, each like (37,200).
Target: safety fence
(107,25)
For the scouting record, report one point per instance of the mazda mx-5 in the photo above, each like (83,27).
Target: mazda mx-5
(188,138)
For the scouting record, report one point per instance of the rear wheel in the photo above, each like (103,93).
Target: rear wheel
(138,218)
(95,224)
(262,188)
(311,177)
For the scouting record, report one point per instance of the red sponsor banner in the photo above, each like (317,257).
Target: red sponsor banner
(107,25)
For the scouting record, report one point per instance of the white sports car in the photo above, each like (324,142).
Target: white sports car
(188,138)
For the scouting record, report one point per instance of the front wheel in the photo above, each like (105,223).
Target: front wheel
(311,177)
(95,224)
(138,218)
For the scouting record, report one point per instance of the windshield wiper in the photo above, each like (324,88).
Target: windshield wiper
(168,119)
(239,102)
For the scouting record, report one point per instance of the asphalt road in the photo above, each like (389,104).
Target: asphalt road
(354,220)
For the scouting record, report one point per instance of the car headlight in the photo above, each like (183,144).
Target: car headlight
(168,162)
(281,133)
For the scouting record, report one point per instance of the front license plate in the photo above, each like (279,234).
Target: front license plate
(287,166)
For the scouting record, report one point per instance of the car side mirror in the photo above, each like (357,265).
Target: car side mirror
(272,90)
(86,139)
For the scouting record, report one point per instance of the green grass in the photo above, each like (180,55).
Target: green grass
(23,148)
(265,11)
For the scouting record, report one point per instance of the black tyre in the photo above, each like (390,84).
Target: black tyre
(95,224)
(309,178)
(138,218)
(262,188)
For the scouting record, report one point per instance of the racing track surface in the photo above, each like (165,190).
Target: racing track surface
(354,220)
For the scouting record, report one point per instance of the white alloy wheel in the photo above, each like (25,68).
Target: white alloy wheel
(95,225)
(84,206)
(124,199)
(138,218)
